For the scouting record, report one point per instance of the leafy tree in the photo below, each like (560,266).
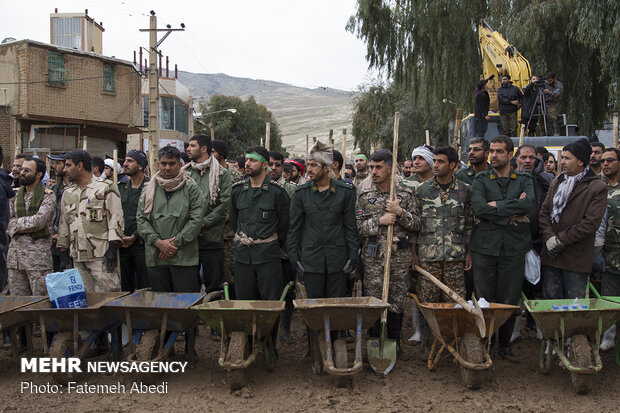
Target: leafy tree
(242,129)
(430,48)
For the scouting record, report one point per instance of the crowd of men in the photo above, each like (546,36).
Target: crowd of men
(195,224)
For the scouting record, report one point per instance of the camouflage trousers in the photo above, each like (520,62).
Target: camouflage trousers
(27,282)
(96,278)
(399,277)
(451,273)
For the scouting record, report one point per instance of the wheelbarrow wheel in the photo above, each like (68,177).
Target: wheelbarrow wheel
(237,353)
(315,353)
(580,356)
(471,350)
(341,360)
(62,347)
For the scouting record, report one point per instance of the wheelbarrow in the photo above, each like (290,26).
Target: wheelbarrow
(582,320)
(155,320)
(456,330)
(324,315)
(238,322)
(68,323)
(613,299)
(11,320)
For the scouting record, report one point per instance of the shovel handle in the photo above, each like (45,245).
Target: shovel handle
(446,289)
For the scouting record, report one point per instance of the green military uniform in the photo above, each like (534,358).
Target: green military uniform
(211,238)
(611,277)
(134,274)
(91,218)
(175,214)
(323,236)
(229,249)
(58,189)
(447,221)
(260,219)
(468,174)
(501,238)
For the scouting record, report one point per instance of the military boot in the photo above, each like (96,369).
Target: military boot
(394,326)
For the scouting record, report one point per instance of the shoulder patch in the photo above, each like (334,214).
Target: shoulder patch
(48,191)
(279,185)
(238,183)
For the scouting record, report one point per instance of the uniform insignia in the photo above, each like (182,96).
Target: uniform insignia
(359,212)
(265,214)
(470,173)
(492,176)
(93,214)
(400,198)
(372,200)
(314,188)
(333,189)
(513,176)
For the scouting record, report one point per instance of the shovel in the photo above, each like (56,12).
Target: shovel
(475,310)
(382,351)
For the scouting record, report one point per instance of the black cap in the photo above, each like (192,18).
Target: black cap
(58,157)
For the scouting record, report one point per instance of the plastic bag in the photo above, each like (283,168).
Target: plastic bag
(532,267)
(66,289)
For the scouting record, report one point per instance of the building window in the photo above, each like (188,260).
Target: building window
(108,77)
(173,114)
(55,68)
(67,32)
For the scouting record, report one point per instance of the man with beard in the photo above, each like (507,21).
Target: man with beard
(259,215)
(509,97)
(361,166)
(60,259)
(219,149)
(91,224)
(215,185)
(276,164)
(169,219)
(134,274)
(29,257)
(323,240)
(501,199)
(407,168)
(595,159)
(16,169)
(374,212)
(478,152)
(422,166)
(297,176)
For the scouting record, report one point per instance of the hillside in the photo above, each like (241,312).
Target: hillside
(298,110)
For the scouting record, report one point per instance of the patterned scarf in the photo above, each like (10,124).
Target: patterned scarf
(564,190)
(168,185)
(214,176)
(33,207)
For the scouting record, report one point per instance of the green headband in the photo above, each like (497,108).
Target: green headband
(256,156)
(361,155)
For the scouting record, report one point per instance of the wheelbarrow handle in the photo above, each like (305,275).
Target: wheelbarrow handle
(286,288)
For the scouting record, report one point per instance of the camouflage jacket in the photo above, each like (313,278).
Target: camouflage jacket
(360,176)
(612,233)
(235,175)
(447,220)
(371,205)
(26,253)
(412,182)
(90,218)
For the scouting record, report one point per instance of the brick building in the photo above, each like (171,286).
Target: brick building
(52,97)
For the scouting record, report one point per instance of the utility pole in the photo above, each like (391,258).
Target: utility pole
(268,135)
(154,87)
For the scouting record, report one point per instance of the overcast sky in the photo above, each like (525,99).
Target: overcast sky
(301,42)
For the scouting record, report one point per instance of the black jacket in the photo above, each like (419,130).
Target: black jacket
(482,103)
(6,193)
(507,94)
(529,101)
(541,180)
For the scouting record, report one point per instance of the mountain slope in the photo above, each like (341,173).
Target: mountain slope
(299,111)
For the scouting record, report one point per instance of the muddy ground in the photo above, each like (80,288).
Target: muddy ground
(293,387)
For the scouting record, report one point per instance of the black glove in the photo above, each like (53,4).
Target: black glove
(65,260)
(599,260)
(351,266)
(109,258)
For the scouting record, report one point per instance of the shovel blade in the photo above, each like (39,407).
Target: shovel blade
(381,362)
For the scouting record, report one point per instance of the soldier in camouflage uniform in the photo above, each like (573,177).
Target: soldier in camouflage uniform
(60,260)
(422,167)
(374,212)
(361,167)
(611,275)
(91,224)
(31,213)
(444,205)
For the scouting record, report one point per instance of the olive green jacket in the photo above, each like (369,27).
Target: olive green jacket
(503,230)
(215,215)
(179,217)
(467,175)
(259,213)
(323,230)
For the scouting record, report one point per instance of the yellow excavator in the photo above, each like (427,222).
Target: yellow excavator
(498,58)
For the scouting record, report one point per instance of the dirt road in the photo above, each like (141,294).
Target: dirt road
(292,387)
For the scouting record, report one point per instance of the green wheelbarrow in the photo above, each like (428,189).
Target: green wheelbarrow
(582,320)
(613,300)
(245,328)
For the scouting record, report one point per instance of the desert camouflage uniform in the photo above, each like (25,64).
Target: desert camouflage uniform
(369,208)
(29,260)
(360,176)
(229,248)
(91,218)
(447,221)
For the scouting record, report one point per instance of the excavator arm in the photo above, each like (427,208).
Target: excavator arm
(498,58)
